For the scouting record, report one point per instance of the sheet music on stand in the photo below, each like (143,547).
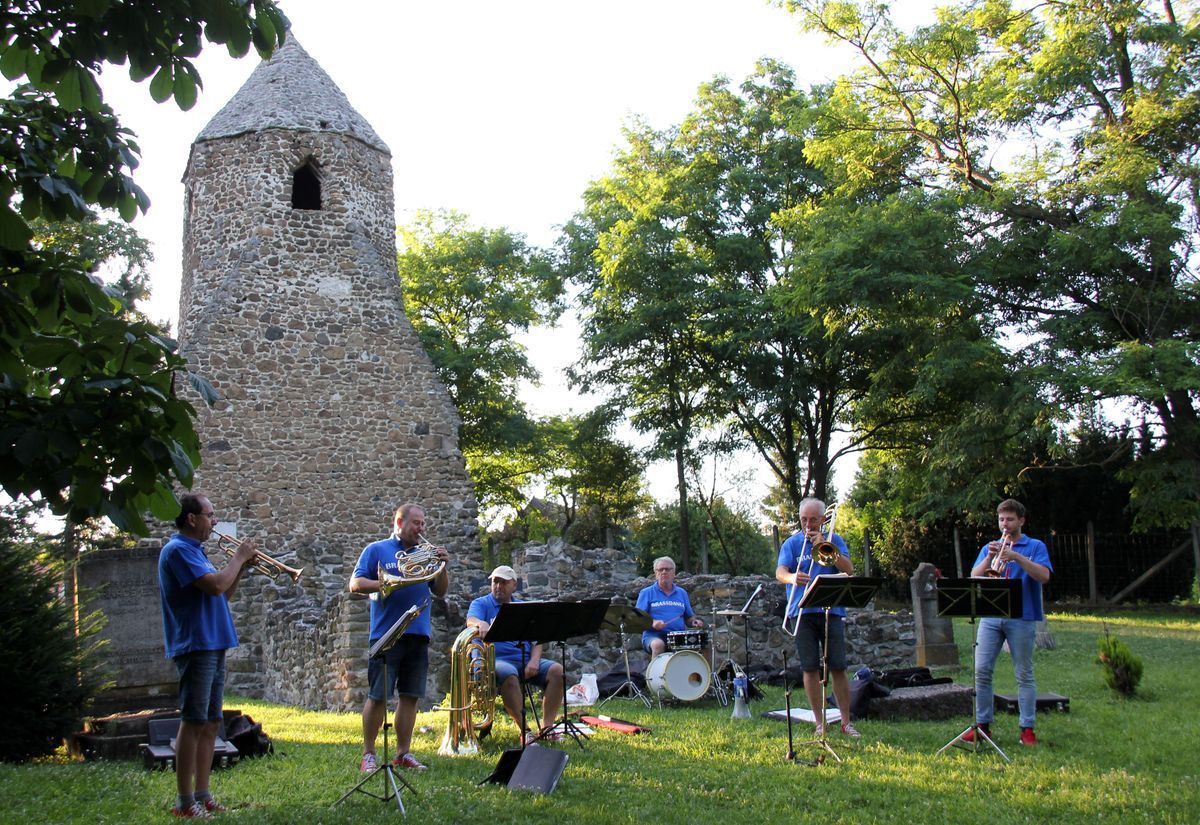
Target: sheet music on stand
(394,632)
(840,590)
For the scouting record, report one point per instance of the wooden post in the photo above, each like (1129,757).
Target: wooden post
(775,537)
(1093,595)
(866,551)
(958,571)
(1196,556)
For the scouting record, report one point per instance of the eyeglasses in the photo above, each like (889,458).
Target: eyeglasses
(210,515)
(664,570)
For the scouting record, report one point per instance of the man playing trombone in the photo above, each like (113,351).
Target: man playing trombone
(198,629)
(407,660)
(796,568)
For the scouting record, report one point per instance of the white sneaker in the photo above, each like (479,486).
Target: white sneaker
(368,763)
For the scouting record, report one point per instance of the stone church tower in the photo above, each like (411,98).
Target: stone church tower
(331,413)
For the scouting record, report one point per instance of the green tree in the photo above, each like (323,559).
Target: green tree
(596,481)
(89,418)
(736,545)
(468,293)
(639,314)
(1068,131)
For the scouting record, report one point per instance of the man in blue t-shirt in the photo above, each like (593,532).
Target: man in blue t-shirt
(1012,556)
(795,568)
(669,607)
(407,661)
(197,630)
(512,656)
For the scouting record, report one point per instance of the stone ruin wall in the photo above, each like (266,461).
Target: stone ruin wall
(330,410)
(558,571)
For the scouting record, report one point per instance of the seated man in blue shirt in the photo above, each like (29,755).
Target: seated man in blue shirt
(669,607)
(544,673)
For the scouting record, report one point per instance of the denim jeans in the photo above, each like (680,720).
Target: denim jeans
(1020,634)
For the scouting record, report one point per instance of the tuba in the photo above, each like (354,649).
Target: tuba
(472,694)
(421,564)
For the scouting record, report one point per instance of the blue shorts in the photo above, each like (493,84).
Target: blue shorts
(650,635)
(407,669)
(811,636)
(201,685)
(505,669)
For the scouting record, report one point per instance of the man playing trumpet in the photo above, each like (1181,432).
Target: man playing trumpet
(1012,556)
(796,568)
(197,629)
(407,660)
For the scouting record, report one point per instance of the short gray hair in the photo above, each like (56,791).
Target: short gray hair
(663,558)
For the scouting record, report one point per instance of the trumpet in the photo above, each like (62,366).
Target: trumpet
(998,566)
(261,562)
(823,552)
(421,564)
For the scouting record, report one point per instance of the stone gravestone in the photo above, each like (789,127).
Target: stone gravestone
(123,585)
(935,634)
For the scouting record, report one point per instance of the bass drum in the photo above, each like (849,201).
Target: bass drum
(682,675)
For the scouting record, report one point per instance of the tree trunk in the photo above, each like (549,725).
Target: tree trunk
(685,545)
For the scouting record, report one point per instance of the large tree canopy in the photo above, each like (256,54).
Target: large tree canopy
(89,418)
(1069,133)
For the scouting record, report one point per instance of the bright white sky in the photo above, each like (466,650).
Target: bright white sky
(501,110)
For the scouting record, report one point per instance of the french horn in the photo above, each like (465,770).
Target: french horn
(421,564)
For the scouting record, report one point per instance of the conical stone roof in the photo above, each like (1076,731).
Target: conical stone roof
(290,91)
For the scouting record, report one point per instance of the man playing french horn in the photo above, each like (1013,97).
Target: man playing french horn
(796,568)
(376,573)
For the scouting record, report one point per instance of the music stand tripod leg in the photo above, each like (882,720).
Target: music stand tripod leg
(978,732)
(390,789)
(634,691)
(822,741)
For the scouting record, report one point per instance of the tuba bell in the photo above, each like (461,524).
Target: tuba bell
(472,694)
(421,564)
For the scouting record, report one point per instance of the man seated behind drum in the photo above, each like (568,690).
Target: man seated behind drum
(669,607)
(544,673)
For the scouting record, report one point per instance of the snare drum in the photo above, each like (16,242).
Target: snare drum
(682,675)
(687,640)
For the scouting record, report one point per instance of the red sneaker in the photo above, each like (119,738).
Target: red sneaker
(1027,737)
(409,762)
(969,736)
(193,811)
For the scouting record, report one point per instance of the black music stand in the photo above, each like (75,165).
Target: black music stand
(391,790)
(827,591)
(983,597)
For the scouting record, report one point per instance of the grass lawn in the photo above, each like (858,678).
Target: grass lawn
(1108,760)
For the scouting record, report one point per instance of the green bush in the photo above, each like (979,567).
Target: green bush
(1122,670)
(51,673)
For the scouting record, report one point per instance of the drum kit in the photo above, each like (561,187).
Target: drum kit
(682,673)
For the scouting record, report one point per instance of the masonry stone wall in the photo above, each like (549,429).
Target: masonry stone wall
(559,571)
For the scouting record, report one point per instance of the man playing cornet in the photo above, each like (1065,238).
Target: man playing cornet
(407,660)
(796,568)
(1012,556)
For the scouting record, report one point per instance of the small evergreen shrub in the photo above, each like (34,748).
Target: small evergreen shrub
(1122,670)
(50,672)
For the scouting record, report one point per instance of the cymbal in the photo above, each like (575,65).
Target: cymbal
(635,620)
(730,612)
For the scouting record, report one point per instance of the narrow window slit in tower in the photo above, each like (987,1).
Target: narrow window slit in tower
(306,187)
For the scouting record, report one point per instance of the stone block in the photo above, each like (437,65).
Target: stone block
(932,702)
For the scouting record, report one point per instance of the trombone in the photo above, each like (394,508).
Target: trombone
(261,562)
(824,553)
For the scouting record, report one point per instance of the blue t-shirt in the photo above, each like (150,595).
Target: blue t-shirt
(386,612)
(486,608)
(797,551)
(673,608)
(192,619)
(1031,588)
